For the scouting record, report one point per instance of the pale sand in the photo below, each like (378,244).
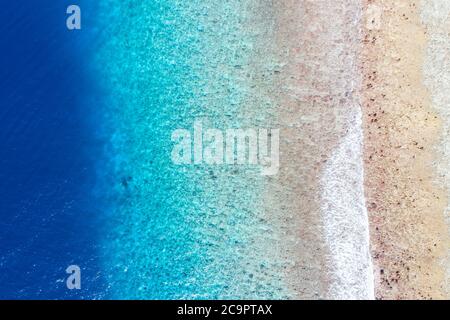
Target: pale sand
(408,231)
(436,17)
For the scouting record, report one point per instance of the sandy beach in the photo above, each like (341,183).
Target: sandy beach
(406,202)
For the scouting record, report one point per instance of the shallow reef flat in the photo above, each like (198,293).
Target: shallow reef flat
(191,231)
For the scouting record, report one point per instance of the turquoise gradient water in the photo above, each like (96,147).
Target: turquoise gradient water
(173,231)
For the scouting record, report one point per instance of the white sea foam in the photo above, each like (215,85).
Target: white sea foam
(346,226)
(343,208)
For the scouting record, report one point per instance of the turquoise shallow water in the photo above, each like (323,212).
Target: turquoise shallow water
(181,231)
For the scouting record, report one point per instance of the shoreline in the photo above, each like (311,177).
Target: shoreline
(328,234)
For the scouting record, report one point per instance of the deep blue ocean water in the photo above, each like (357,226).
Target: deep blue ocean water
(48,212)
